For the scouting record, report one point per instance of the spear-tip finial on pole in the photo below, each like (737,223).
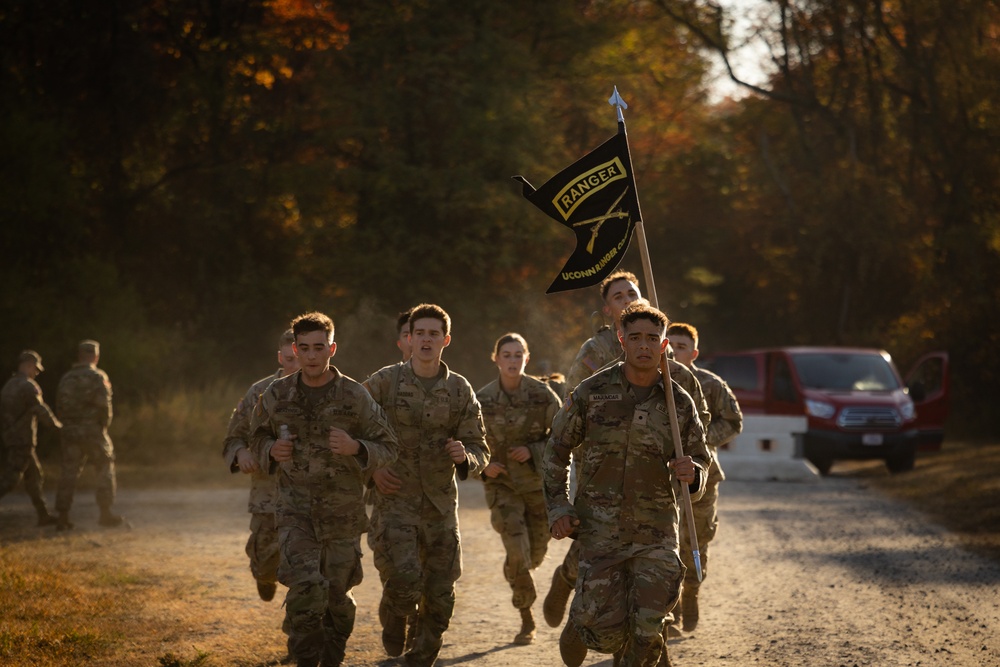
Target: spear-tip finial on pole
(616,101)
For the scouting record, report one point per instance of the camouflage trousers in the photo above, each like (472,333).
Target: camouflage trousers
(522,521)
(77,449)
(262,547)
(706,523)
(418,566)
(22,461)
(319,574)
(623,595)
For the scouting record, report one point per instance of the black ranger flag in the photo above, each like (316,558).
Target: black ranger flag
(596,198)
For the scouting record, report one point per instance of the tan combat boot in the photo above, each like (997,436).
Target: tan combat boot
(554,606)
(527,633)
(689,608)
(571,646)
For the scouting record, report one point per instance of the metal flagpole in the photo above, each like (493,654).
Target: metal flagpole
(647,270)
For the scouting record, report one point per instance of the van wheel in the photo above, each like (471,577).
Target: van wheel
(822,465)
(902,462)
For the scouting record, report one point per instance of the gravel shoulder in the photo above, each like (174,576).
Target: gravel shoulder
(824,573)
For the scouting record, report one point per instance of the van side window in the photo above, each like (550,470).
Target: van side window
(739,372)
(782,387)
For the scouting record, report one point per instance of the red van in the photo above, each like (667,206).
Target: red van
(857,405)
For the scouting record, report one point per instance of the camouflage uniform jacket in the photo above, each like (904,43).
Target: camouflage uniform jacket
(326,487)
(625,493)
(263,485)
(83,400)
(727,419)
(21,406)
(423,421)
(604,349)
(522,418)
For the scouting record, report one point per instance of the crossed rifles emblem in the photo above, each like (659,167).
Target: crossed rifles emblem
(601,219)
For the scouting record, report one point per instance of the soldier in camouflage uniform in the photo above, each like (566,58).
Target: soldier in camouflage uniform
(727,422)
(21,406)
(625,515)
(518,411)
(322,435)
(416,545)
(262,547)
(83,403)
(618,290)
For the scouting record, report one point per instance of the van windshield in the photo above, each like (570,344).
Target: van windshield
(845,372)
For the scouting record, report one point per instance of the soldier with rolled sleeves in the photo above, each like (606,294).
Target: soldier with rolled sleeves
(618,291)
(727,423)
(518,411)
(21,408)
(322,435)
(262,546)
(417,548)
(83,403)
(625,515)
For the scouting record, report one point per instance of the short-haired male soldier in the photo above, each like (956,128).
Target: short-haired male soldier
(262,546)
(618,291)
(625,515)
(727,422)
(416,545)
(323,435)
(83,403)
(21,407)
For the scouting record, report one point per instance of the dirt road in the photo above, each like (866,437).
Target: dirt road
(829,573)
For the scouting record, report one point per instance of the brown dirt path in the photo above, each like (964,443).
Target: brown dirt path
(830,573)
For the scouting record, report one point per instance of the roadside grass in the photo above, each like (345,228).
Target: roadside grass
(957,487)
(65,615)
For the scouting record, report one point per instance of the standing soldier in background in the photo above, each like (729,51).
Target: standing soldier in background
(83,403)
(625,516)
(262,547)
(727,422)
(322,435)
(21,406)
(618,291)
(417,548)
(518,411)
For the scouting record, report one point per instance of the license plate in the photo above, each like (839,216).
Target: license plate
(873,439)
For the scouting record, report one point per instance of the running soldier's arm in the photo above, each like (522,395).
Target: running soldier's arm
(567,434)
(538,447)
(693,441)
(728,420)
(377,437)
(472,432)
(583,366)
(238,432)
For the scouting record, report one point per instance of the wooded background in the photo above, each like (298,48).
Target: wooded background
(179,178)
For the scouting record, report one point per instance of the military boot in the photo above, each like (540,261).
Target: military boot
(393,631)
(554,606)
(266,590)
(571,646)
(63,523)
(527,633)
(109,519)
(44,517)
(689,607)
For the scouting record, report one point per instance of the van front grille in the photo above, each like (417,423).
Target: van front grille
(866,419)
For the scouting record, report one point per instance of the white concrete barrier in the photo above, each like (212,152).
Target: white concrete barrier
(768,449)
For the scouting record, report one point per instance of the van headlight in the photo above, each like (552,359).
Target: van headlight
(821,409)
(907,410)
